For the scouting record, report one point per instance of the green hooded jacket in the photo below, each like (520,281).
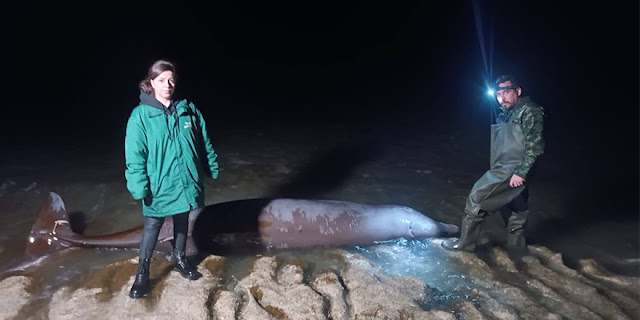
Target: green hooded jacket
(167,155)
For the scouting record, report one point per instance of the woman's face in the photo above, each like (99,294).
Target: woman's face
(164,85)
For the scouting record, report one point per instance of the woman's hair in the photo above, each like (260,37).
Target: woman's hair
(155,70)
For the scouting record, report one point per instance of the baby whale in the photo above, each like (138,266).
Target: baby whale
(272,223)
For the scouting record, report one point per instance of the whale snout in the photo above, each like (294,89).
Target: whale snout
(448,230)
(421,229)
(420,225)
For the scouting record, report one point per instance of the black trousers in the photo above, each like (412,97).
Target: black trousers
(151,231)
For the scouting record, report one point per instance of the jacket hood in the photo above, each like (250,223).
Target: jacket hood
(150,100)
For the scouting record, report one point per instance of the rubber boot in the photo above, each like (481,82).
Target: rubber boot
(141,285)
(468,234)
(516,241)
(181,265)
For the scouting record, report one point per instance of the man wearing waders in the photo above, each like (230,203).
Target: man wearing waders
(516,142)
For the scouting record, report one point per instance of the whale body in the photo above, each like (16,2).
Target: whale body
(270,223)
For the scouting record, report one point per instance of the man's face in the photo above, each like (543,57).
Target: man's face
(508,96)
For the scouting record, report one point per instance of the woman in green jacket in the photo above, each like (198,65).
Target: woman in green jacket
(167,153)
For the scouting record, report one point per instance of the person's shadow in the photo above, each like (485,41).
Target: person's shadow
(328,171)
(232,228)
(229,228)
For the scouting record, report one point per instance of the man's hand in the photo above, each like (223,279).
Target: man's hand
(516,181)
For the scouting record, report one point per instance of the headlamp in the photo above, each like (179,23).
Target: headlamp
(498,89)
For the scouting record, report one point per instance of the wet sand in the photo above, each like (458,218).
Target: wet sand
(431,172)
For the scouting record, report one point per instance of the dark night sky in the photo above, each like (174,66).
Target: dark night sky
(74,69)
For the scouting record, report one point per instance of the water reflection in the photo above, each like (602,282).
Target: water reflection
(422,259)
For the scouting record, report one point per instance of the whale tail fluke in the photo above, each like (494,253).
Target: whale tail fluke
(50,228)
